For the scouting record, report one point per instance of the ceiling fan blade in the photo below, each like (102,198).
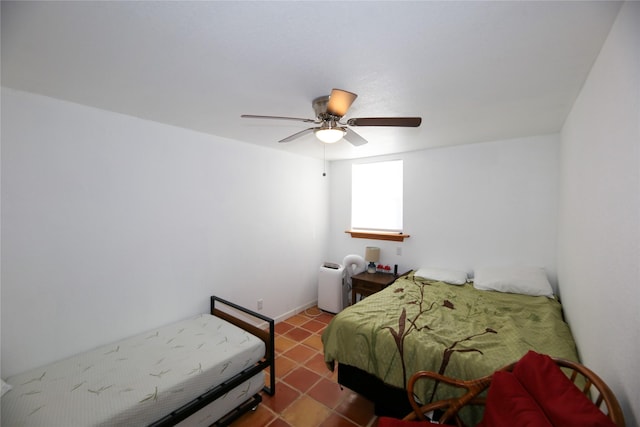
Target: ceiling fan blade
(354,138)
(386,121)
(297,135)
(252,116)
(340,101)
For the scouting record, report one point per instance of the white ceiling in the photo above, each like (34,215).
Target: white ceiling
(475,71)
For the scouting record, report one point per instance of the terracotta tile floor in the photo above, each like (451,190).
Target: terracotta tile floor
(307,392)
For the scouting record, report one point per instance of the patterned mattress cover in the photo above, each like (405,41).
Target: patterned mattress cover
(135,381)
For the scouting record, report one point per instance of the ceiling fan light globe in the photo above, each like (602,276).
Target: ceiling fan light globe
(329,136)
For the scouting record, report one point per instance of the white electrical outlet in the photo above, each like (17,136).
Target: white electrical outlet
(399,250)
(260,304)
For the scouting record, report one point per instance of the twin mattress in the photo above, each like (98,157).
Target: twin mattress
(138,380)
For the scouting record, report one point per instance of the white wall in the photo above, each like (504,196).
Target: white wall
(599,226)
(491,203)
(112,225)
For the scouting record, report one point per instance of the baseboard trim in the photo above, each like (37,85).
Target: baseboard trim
(295,311)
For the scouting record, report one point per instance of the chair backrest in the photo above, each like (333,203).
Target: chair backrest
(594,388)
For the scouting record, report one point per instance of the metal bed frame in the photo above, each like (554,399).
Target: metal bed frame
(268,336)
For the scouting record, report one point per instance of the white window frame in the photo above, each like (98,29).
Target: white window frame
(377,196)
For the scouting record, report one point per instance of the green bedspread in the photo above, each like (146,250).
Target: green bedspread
(459,331)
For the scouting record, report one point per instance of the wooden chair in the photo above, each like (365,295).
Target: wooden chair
(594,387)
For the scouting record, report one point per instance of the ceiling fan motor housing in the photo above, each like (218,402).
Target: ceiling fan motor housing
(320,108)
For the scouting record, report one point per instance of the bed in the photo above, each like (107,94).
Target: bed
(204,370)
(456,330)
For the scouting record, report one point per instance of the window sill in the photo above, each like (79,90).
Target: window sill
(378,235)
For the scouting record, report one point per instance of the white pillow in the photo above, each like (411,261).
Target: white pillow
(453,277)
(517,280)
(5,388)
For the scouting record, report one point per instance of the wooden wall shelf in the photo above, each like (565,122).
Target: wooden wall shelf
(378,235)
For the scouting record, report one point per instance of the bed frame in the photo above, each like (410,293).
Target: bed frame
(268,336)
(388,401)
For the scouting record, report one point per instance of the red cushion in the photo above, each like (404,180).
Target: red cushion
(509,405)
(392,422)
(563,403)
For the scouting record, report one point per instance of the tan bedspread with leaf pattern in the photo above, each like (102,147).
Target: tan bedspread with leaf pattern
(458,331)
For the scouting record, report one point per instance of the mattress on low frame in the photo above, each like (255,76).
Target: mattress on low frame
(134,381)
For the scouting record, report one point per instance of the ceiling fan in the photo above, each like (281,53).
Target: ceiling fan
(329,112)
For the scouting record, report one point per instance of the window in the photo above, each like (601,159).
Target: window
(376,197)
